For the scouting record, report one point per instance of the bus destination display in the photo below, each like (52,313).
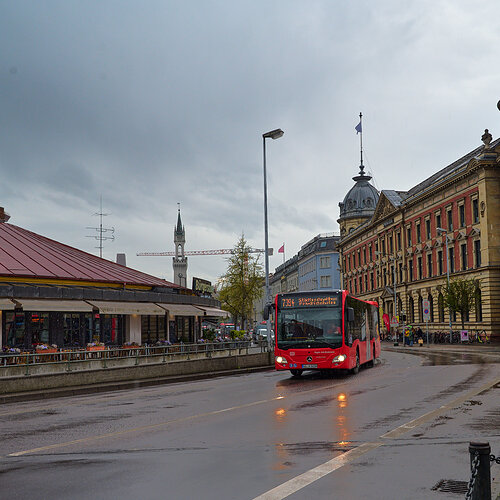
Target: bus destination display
(312,300)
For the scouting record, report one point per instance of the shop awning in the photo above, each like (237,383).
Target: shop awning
(182,309)
(7,305)
(47,305)
(213,311)
(146,308)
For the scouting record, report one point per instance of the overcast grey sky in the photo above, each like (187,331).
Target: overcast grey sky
(152,103)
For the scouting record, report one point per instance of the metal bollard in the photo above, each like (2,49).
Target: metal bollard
(482,483)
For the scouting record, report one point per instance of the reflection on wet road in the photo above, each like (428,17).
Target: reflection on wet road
(242,436)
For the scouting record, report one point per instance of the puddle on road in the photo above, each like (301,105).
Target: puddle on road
(314,446)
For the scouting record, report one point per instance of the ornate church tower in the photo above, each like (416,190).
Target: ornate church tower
(180,260)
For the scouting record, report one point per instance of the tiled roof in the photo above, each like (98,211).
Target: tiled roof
(444,173)
(24,254)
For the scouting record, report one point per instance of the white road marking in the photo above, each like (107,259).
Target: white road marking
(297,483)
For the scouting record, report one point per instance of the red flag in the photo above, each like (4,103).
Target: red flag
(282,249)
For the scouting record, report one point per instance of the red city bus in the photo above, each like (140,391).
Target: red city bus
(325,331)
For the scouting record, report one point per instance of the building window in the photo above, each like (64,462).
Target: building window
(451,256)
(477,253)
(479,307)
(391,279)
(440,262)
(431,308)
(398,236)
(364,254)
(475,210)
(383,247)
(440,308)
(419,266)
(428,229)
(463,252)
(410,271)
(326,281)
(408,235)
(371,281)
(366,282)
(411,310)
(461,213)
(449,215)
(391,245)
(401,273)
(417,230)
(438,219)
(324,262)
(429,265)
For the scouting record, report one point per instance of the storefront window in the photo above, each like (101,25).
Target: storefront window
(71,325)
(39,328)
(14,326)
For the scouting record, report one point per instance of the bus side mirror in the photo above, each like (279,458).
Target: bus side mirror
(350,314)
(267,311)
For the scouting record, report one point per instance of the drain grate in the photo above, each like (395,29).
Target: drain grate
(451,486)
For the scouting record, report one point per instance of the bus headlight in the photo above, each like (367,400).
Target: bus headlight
(281,360)
(340,358)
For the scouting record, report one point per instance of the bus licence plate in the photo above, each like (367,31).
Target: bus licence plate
(309,366)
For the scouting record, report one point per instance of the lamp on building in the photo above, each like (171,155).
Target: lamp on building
(440,230)
(273,134)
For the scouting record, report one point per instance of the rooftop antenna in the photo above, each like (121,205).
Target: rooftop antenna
(101,236)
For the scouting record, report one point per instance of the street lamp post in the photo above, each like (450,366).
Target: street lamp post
(443,231)
(273,134)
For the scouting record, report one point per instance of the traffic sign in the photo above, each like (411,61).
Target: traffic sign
(394,321)
(426,309)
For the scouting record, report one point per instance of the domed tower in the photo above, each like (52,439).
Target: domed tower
(360,202)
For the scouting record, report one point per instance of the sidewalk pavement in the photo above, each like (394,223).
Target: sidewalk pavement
(470,348)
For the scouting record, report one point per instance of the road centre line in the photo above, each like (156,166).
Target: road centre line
(306,478)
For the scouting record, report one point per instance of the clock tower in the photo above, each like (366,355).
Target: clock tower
(180,260)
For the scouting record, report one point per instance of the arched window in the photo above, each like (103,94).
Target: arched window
(420,309)
(441,308)
(411,310)
(479,307)
(431,308)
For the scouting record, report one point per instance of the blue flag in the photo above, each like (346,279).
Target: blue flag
(358,128)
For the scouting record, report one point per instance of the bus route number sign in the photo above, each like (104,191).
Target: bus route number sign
(308,301)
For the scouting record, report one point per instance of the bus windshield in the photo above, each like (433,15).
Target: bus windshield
(309,327)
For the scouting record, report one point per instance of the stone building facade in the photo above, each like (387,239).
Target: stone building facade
(398,251)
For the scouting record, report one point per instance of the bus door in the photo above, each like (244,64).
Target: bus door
(365,336)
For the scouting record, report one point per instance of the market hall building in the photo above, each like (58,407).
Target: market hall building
(51,293)
(391,247)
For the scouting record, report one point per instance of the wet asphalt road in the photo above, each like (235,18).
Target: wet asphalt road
(392,431)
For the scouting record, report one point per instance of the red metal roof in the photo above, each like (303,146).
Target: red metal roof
(24,254)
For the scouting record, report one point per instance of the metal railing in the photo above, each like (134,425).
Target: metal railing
(163,353)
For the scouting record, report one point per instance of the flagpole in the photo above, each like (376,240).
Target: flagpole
(361,136)
(283,252)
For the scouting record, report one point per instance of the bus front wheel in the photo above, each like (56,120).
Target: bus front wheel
(296,373)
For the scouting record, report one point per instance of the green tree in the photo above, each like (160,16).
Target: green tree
(460,296)
(242,282)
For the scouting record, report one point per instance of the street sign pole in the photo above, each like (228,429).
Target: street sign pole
(427,316)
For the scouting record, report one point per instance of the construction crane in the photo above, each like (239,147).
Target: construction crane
(220,251)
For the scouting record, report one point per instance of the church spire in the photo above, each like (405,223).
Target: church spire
(179,229)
